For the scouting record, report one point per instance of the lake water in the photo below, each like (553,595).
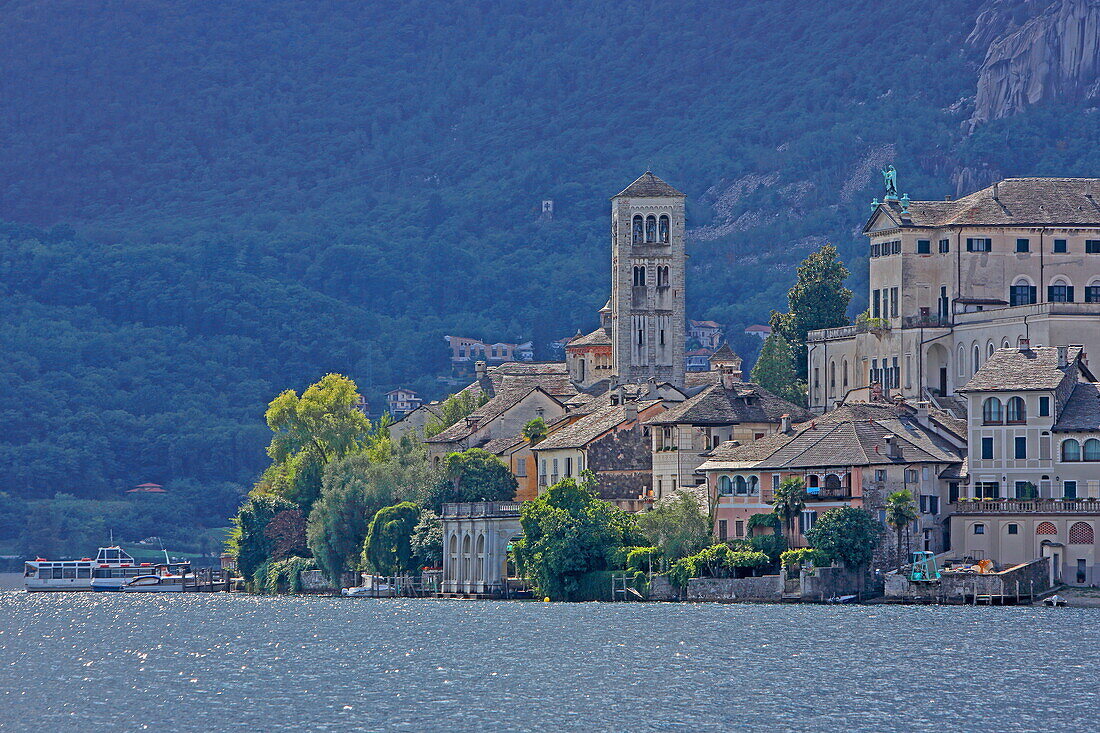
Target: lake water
(97,662)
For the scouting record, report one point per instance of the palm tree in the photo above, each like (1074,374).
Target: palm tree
(901,511)
(789,500)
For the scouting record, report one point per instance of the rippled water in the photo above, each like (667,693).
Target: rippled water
(86,662)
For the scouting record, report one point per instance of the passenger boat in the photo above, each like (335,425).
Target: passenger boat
(41,574)
(166,578)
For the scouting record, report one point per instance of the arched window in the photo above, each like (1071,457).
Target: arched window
(977,358)
(1046,528)
(662,277)
(812,481)
(1060,291)
(639,276)
(961,361)
(754,485)
(990,348)
(1091,450)
(1022,292)
(479,567)
(725,486)
(1080,534)
(991,411)
(1071,450)
(662,229)
(651,228)
(740,487)
(832,375)
(1092,291)
(832,481)
(1017,411)
(637,229)
(845,372)
(1004,344)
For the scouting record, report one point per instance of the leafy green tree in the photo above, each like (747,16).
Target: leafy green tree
(388,546)
(818,299)
(901,512)
(248,541)
(568,533)
(788,501)
(775,370)
(474,475)
(287,533)
(535,430)
(427,540)
(454,408)
(846,534)
(677,525)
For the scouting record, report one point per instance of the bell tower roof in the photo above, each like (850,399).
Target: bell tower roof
(649,186)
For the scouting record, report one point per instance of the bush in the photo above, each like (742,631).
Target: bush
(593,586)
(641,559)
(716,561)
(772,545)
(804,557)
(283,575)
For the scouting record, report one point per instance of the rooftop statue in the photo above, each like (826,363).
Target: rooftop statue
(890,178)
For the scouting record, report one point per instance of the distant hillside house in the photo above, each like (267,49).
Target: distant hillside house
(707,333)
(147,489)
(401,402)
(469,350)
(697,361)
(759,331)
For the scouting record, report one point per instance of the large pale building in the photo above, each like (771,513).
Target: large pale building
(952,281)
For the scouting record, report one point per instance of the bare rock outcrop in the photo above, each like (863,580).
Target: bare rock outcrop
(1037,52)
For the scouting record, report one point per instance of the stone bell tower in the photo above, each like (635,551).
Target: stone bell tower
(647,282)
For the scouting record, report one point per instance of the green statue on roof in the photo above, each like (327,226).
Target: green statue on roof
(890,178)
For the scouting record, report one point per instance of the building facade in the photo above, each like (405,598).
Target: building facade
(952,281)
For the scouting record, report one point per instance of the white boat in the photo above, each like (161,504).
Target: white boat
(165,578)
(41,574)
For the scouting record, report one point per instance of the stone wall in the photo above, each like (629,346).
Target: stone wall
(1029,578)
(314,581)
(623,463)
(764,588)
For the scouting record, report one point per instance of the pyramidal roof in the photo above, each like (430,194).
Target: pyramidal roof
(649,186)
(724,354)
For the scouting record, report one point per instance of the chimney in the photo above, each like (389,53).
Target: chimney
(893,450)
(480,370)
(785,424)
(1025,345)
(996,188)
(614,397)
(1063,357)
(947,197)
(630,411)
(729,376)
(922,413)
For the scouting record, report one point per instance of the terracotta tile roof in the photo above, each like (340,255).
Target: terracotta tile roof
(1082,409)
(1032,370)
(851,435)
(590,427)
(1017,202)
(649,186)
(599,337)
(725,353)
(744,403)
(706,324)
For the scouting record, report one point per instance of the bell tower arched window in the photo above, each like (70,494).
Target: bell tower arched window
(651,228)
(662,228)
(637,229)
(639,276)
(662,277)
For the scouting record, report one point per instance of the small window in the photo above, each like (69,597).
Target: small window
(739,528)
(651,228)
(1023,245)
(987,449)
(1060,246)
(722,531)
(637,229)
(1071,451)
(979,529)
(880,474)
(1017,411)
(662,229)
(1092,246)
(1092,294)
(979,244)
(1020,445)
(1069,489)
(1044,407)
(945,245)
(1021,294)
(1013,528)
(924,246)
(1060,293)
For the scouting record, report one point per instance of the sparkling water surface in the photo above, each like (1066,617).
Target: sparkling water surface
(111,662)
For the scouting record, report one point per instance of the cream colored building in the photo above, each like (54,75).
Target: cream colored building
(951,281)
(1033,488)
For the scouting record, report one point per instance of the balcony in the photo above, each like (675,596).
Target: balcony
(926,321)
(1027,506)
(481,509)
(823,494)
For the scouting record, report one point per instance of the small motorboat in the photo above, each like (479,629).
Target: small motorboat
(373,587)
(167,578)
(1055,601)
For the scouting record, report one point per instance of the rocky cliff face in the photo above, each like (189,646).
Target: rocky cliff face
(1038,51)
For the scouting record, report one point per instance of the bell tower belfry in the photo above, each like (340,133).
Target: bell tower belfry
(647,282)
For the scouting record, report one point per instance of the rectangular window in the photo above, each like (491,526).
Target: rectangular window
(987,449)
(875,312)
(910,475)
(775,482)
(1021,295)
(1021,448)
(880,474)
(979,529)
(1060,246)
(933,505)
(987,490)
(739,528)
(1013,528)
(722,535)
(897,374)
(897,247)
(1092,294)
(924,246)
(1044,407)
(1025,490)
(953,492)
(1069,489)
(1092,246)
(874,249)
(979,244)
(893,302)
(806,521)
(1023,245)
(923,504)
(945,245)
(568,466)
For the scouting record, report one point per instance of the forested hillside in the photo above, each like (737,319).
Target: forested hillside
(209,202)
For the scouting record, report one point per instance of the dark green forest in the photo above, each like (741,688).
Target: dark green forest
(207,203)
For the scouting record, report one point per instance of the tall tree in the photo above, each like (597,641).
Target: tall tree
(775,372)
(846,534)
(818,299)
(472,475)
(388,546)
(788,501)
(248,541)
(901,511)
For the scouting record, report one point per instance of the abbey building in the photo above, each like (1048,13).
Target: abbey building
(952,281)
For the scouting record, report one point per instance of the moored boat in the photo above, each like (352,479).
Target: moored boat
(165,578)
(41,574)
